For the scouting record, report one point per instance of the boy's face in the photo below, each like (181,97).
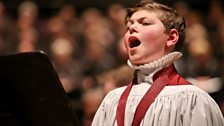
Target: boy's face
(145,39)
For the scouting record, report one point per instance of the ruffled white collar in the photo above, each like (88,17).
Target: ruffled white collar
(146,71)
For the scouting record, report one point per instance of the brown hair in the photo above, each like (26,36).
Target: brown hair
(168,16)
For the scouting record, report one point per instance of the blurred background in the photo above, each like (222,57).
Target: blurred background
(48,7)
(83,40)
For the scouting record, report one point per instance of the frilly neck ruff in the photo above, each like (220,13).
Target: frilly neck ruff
(146,71)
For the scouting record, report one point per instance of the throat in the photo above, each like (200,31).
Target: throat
(135,44)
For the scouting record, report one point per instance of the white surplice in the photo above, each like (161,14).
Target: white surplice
(182,105)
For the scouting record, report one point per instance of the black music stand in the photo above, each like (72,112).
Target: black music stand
(31,93)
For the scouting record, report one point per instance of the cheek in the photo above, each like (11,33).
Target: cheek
(154,40)
(153,35)
(126,41)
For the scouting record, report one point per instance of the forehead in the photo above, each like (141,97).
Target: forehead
(144,14)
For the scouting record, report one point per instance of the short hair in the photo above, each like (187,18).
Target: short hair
(168,16)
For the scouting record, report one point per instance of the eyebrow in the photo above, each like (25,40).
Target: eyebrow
(138,19)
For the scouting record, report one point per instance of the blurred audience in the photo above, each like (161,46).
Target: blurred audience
(117,77)
(67,67)
(91,100)
(87,51)
(27,31)
(7,34)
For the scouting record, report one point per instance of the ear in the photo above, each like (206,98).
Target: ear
(173,37)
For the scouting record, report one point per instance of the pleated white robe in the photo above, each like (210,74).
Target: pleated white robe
(184,105)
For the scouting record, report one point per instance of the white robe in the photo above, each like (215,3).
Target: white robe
(184,105)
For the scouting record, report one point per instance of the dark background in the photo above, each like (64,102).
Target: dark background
(48,7)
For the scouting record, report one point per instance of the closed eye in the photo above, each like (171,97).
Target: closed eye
(146,23)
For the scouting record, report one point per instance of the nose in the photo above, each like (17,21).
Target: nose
(133,29)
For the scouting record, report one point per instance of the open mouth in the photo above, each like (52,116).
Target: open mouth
(134,42)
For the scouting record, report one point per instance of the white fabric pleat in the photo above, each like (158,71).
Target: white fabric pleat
(185,105)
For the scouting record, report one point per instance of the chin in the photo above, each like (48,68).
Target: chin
(140,62)
(134,62)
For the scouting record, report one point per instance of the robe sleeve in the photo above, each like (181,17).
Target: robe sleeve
(192,107)
(202,110)
(98,119)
